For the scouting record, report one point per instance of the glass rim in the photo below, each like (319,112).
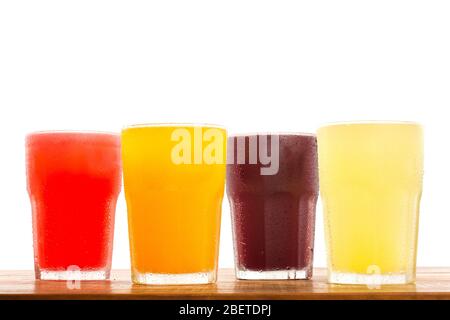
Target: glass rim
(173,124)
(370,122)
(85,132)
(274,133)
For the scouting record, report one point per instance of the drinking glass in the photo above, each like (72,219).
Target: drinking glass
(273,211)
(74,179)
(371,185)
(174,178)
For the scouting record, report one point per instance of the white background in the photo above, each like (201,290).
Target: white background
(250,65)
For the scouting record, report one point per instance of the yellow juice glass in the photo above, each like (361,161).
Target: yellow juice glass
(371,185)
(174,178)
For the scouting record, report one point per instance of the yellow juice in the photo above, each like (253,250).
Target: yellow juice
(371,185)
(174,207)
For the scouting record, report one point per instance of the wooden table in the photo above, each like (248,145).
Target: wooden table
(432,283)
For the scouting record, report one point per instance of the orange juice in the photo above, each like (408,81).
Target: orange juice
(174,179)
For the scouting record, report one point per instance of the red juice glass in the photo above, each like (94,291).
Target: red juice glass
(73,180)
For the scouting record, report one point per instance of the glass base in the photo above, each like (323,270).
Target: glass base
(369,279)
(68,275)
(174,279)
(274,275)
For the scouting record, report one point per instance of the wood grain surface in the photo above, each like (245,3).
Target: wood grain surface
(432,283)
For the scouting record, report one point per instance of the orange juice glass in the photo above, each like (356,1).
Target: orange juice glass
(174,178)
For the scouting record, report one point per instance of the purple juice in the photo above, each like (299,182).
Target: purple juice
(273,215)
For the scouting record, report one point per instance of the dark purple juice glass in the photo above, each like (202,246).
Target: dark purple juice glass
(273,215)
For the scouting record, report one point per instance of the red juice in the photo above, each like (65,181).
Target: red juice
(273,215)
(74,179)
